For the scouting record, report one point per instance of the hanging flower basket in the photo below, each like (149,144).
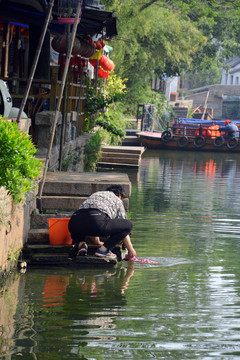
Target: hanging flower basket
(67,20)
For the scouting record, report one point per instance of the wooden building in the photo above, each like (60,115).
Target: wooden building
(21,23)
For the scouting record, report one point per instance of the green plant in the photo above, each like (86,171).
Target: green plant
(3,213)
(96,101)
(92,151)
(13,255)
(19,169)
(69,158)
(107,125)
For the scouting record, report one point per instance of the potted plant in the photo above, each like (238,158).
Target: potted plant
(67,11)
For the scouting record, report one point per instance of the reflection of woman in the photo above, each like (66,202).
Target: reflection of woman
(117,279)
(102,214)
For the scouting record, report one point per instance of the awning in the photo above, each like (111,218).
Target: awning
(37,5)
(92,21)
(33,12)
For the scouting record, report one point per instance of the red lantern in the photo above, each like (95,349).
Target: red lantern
(106,63)
(110,65)
(103,61)
(102,73)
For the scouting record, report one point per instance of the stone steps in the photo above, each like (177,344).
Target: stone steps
(64,191)
(124,149)
(48,255)
(120,156)
(40,221)
(181,111)
(111,165)
(83,184)
(67,203)
(131,140)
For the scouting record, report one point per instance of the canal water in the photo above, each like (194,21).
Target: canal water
(185,208)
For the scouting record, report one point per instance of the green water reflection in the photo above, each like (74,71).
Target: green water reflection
(185,210)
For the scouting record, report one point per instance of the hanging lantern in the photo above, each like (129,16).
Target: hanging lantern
(103,61)
(99,44)
(106,63)
(102,73)
(86,50)
(97,54)
(59,44)
(110,65)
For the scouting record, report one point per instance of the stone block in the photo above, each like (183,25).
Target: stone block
(62,202)
(38,236)
(43,128)
(84,184)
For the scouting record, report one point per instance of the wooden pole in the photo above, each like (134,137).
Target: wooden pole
(64,109)
(35,61)
(79,115)
(5,73)
(73,35)
(205,106)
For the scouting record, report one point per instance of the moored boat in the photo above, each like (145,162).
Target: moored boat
(191,135)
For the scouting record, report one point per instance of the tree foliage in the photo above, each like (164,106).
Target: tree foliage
(171,36)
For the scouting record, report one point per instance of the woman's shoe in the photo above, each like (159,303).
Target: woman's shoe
(105,254)
(82,251)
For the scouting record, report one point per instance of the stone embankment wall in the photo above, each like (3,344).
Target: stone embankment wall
(72,146)
(14,228)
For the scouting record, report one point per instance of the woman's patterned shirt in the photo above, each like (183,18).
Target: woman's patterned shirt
(107,202)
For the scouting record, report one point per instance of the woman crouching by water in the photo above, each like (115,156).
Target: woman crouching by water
(102,214)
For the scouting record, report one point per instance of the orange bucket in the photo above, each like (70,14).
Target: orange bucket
(58,231)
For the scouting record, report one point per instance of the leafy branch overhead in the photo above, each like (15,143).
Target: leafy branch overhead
(172,36)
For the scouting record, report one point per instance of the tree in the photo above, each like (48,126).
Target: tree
(151,42)
(171,36)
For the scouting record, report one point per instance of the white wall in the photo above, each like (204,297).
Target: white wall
(171,86)
(231,78)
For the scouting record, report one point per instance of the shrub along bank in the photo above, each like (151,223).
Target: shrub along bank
(19,174)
